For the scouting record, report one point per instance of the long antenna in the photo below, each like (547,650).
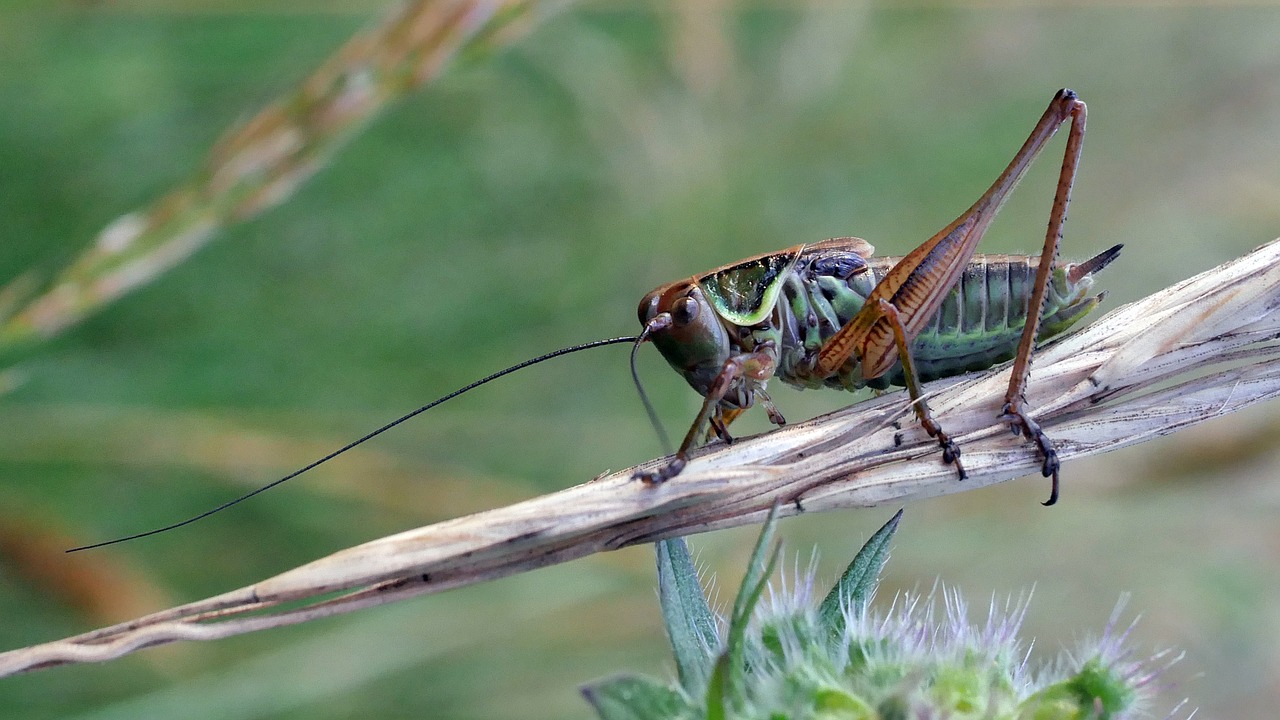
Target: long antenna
(662,321)
(353,443)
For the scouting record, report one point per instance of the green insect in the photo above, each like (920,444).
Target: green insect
(831,314)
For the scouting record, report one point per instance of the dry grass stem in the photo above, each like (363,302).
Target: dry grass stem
(1195,351)
(262,162)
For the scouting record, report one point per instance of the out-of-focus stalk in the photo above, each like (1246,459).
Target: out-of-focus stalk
(263,161)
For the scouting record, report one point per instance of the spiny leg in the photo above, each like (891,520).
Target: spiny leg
(775,416)
(919,283)
(720,422)
(1015,411)
(720,426)
(755,365)
(721,419)
(950,450)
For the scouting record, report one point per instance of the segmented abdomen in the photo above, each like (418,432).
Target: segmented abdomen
(978,325)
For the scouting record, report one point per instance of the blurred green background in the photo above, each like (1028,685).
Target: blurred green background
(525,203)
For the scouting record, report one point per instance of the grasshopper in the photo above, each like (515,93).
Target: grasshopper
(830,314)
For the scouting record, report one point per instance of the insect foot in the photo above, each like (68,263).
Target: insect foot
(1020,422)
(661,473)
(951,455)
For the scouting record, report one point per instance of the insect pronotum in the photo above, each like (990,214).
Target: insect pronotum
(831,314)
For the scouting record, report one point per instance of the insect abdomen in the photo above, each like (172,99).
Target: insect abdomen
(981,319)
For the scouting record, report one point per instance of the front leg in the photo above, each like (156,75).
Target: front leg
(721,420)
(755,366)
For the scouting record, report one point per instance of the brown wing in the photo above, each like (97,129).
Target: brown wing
(858,246)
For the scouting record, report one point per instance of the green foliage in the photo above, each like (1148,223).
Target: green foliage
(839,661)
(853,590)
(636,698)
(690,623)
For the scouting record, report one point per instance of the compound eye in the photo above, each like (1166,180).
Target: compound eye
(648,307)
(684,311)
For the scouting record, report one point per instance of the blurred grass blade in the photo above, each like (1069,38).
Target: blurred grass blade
(859,580)
(690,623)
(262,162)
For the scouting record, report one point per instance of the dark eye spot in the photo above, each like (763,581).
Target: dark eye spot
(684,311)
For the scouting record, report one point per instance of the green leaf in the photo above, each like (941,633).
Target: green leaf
(839,704)
(859,579)
(1096,691)
(690,623)
(753,583)
(718,689)
(724,688)
(632,697)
